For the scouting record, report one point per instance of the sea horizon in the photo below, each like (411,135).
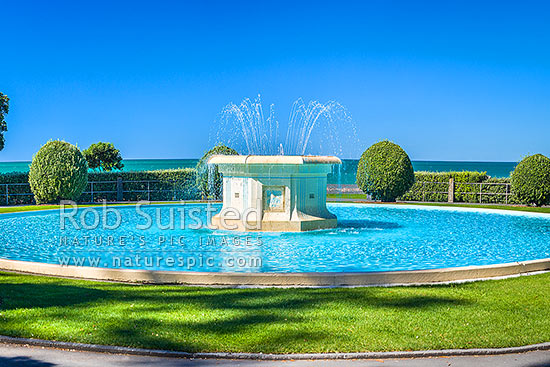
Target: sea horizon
(344,175)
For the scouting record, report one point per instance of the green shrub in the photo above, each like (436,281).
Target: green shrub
(498,192)
(385,171)
(103,156)
(58,172)
(434,186)
(162,185)
(209,179)
(173,184)
(531,180)
(19,190)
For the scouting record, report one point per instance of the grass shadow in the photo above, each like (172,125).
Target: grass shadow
(225,319)
(43,295)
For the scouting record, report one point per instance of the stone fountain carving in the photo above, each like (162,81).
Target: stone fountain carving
(274,193)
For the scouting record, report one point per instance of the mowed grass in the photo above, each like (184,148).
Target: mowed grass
(347,196)
(495,313)
(28,208)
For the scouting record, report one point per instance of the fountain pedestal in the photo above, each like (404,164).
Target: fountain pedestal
(274,193)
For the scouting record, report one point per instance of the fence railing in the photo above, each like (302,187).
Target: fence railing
(156,190)
(445,191)
(481,193)
(14,190)
(452,191)
(96,191)
(424,191)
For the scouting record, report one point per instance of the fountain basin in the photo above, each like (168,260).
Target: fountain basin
(373,244)
(274,193)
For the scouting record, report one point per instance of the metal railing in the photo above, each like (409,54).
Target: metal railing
(93,192)
(145,187)
(12,193)
(149,191)
(507,189)
(480,190)
(7,193)
(424,192)
(444,191)
(118,190)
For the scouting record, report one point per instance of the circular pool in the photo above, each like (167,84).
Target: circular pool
(370,238)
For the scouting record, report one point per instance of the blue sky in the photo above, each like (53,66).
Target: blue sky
(462,80)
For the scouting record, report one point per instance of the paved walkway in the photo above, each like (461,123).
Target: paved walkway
(21,356)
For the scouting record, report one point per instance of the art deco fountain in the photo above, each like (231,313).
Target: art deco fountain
(274,193)
(277,187)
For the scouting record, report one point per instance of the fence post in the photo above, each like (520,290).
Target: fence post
(423,192)
(480,192)
(174,190)
(7,195)
(92,191)
(451,197)
(119,191)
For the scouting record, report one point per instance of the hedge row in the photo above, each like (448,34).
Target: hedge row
(434,186)
(158,185)
(19,193)
(180,184)
(163,185)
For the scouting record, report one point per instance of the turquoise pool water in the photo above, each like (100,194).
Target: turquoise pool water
(368,238)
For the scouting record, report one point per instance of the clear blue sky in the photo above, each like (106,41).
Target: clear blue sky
(462,80)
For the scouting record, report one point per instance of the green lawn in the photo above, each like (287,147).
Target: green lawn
(347,196)
(495,313)
(25,208)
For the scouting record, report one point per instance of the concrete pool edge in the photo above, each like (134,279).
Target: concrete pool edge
(336,279)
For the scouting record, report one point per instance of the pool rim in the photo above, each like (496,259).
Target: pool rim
(294,279)
(314,279)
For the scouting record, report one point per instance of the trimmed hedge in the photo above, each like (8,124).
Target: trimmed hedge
(173,184)
(19,194)
(531,180)
(385,171)
(439,182)
(58,171)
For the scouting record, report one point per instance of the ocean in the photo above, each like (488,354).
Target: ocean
(346,172)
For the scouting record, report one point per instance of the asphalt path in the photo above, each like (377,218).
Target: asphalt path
(25,356)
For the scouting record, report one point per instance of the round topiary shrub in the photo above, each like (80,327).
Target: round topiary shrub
(58,172)
(531,180)
(209,179)
(385,171)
